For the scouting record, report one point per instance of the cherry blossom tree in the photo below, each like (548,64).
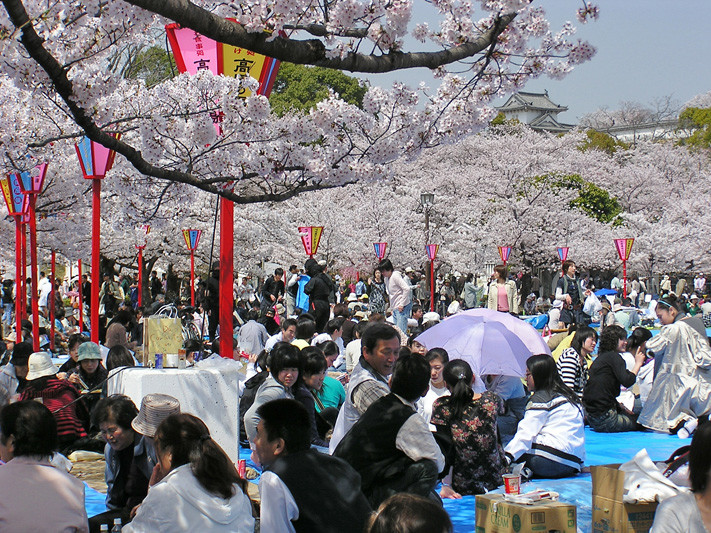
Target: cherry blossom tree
(60,88)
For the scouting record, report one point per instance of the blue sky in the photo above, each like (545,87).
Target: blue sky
(645,50)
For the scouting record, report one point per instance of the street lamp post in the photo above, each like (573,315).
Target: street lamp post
(427,201)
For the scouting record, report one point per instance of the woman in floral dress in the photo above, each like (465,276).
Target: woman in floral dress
(477,459)
(378,293)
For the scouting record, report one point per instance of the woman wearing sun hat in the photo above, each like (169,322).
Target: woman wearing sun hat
(57,395)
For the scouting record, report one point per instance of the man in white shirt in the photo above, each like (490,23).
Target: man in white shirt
(287,334)
(302,489)
(400,293)
(45,288)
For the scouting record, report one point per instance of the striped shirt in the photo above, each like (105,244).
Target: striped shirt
(573,373)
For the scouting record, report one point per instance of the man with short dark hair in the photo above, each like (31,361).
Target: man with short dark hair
(380,347)
(301,489)
(272,290)
(287,334)
(391,446)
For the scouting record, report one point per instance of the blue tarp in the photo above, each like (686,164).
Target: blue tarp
(605,292)
(537,321)
(601,448)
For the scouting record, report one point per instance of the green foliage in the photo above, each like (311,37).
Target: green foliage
(153,65)
(592,200)
(501,120)
(698,119)
(597,140)
(300,88)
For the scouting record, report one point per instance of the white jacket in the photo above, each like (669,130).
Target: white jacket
(552,428)
(180,503)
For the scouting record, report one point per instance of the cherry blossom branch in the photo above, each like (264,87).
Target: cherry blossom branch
(33,43)
(314,51)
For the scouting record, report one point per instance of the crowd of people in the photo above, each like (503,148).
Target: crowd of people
(338,387)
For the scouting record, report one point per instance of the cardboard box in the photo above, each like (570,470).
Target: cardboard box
(494,515)
(610,513)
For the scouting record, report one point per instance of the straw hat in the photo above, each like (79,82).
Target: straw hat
(11,337)
(154,409)
(40,365)
(352,297)
(89,350)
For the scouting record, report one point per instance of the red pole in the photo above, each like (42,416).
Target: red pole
(140,276)
(18,277)
(226,276)
(192,278)
(23,281)
(81,299)
(51,307)
(624,279)
(33,265)
(95,259)
(432,285)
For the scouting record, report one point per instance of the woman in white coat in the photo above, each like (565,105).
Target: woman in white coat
(199,488)
(503,295)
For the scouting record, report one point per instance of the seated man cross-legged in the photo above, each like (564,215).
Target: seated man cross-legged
(391,446)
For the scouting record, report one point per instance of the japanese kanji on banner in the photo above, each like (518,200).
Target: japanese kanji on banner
(432,250)
(310,237)
(380,248)
(192,238)
(624,248)
(194,52)
(504,252)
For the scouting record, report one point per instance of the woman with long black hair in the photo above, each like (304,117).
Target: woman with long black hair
(195,484)
(550,438)
(469,420)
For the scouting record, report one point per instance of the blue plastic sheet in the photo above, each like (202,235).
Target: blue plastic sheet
(601,448)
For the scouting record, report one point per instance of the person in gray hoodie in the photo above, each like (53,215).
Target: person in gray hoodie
(283,372)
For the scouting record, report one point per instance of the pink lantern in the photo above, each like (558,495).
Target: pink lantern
(94,158)
(310,238)
(380,248)
(505,252)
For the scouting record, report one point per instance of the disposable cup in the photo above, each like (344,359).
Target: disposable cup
(512,483)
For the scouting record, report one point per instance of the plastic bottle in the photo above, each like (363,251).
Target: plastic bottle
(117,526)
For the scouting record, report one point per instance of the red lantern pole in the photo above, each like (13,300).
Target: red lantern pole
(18,277)
(81,298)
(140,275)
(33,274)
(23,281)
(51,307)
(226,276)
(432,285)
(192,278)
(624,247)
(95,257)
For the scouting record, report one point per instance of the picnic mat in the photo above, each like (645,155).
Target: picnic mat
(601,448)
